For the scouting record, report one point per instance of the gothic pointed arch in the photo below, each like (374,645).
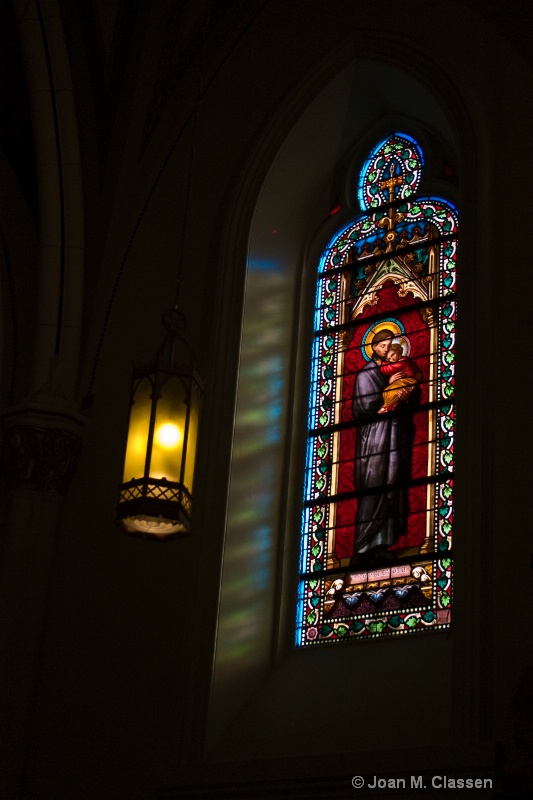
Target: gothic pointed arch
(315,171)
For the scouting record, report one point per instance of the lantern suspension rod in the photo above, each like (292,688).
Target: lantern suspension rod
(189,176)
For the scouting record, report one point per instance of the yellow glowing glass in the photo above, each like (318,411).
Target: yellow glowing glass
(138,432)
(191,445)
(168,433)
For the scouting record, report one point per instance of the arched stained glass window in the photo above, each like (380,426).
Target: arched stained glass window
(377,518)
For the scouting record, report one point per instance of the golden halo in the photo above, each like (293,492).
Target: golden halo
(386,324)
(405,343)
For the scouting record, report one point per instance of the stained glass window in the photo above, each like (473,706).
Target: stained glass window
(376,552)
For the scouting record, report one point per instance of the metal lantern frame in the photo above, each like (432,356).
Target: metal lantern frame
(153,506)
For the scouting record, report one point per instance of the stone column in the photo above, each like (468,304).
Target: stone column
(41,450)
(41,438)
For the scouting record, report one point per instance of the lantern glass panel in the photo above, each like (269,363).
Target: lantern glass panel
(167,446)
(192,437)
(134,462)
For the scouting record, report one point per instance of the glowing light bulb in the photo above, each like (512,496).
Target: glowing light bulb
(168,435)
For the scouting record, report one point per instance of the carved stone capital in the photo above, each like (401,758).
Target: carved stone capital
(41,449)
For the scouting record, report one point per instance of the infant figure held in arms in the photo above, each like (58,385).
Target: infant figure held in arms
(403,375)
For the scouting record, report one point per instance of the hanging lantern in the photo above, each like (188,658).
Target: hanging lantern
(156,493)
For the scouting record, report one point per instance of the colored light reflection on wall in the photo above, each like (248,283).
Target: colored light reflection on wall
(248,561)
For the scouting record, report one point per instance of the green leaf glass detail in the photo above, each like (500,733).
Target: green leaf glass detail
(376,627)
